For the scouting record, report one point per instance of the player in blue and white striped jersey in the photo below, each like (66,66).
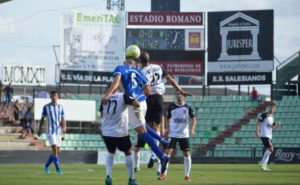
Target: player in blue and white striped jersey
(56,128)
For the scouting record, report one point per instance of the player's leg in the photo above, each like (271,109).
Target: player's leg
(140,144)
(52,142)
(185,147)
(124,145)
(111,148)
(56,149)
(269,149)
(138,123)
(171,147)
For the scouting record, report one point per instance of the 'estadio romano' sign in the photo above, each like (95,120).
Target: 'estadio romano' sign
(165,18)
(24,75)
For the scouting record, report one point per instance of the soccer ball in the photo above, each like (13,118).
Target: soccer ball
(133,51)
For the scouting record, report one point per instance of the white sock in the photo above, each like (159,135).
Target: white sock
(187,165)
(265,158)
(158,167)
(137,159)
(167,166)
(129,166)
(109,163)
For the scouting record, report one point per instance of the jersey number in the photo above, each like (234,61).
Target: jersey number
(115,106)
(156,78)
(133,79)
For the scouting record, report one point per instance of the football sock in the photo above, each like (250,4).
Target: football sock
(157,143)
(167,165)
(149,139)
(136,159)
(266,157)
(158,167)
(187,165)
(56,162)
(50,159)
(153,133)
(109,163)
(129,166)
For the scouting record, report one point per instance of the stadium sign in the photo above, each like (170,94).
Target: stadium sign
(86,77)
(165,18)
(24,75)
(240,42)
(286,155)
(92,40)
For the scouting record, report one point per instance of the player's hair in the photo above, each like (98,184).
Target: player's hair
(144,57)
(130,61)
(53,92)
(272,104)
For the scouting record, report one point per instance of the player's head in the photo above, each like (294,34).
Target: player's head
(272,107)
(54,96)
(117,90)
(179,96)
(130,61)
(144,58)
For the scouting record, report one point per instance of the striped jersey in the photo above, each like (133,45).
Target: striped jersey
(55,114)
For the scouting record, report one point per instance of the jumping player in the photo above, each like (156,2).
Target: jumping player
(155,75)
(136,86)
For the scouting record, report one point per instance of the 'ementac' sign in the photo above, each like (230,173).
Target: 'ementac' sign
(24,75)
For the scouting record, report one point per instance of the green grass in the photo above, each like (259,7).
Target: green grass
(82,174)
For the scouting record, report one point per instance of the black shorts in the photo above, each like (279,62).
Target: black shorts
(267,142)
(140,142)
(122,143)
(154,108)
(184,143)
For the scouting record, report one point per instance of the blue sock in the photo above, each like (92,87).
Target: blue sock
(56,162)
(50,159)
(153,133)
(149,139)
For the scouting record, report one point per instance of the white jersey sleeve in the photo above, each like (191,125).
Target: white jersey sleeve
(115,116)
(154,75)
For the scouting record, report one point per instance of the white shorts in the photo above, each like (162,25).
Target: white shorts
(55,140)
(134,120)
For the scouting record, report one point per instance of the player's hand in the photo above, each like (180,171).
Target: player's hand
(257,134)
(184,93)
(104,100)
(39,132)
(278,123)
(136,103)
(192,132)
(64,129)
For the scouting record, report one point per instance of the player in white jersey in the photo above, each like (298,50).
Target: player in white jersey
(267,124)
(56,128)
(179,115)
(155,75)
(115,132)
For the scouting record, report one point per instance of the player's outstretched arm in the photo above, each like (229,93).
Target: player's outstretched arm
(176,86)
(113,86)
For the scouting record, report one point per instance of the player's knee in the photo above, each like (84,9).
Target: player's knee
(141,129)
(128,152)
(186,153)
(271,149)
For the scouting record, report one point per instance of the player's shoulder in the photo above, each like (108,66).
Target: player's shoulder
(188,105)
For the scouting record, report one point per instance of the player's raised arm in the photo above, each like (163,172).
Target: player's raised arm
(114,86)
(171,80)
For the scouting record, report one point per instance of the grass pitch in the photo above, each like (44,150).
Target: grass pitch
(83,174)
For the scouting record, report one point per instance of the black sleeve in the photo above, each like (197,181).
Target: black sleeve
(169,115)
(128,100)
(101,108)
(164,72)
(262,117)
(191,112)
